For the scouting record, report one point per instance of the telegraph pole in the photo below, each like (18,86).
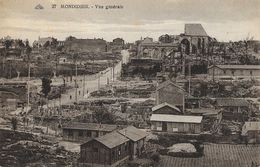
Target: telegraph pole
(189,76)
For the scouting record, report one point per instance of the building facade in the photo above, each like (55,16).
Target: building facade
(176,123)
(242,71)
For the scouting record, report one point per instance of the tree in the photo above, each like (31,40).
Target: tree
(46,86)
(101,115)
(14,122)
(47,44)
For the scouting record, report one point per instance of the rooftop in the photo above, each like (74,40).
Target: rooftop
(90,126)
(112,139)
(176,118)
(235,102)
(247,67)
(133,133)
(165,104)
(194,30)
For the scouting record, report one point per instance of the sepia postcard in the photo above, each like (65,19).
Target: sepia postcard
(130,83)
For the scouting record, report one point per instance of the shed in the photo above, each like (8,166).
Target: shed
(166,108)
(176,123)
(76,131)
(109,150)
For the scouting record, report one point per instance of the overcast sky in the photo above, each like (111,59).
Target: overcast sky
(223,19)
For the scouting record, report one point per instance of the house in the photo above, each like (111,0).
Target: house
(137,140)
(238,71)
(110,150)
(176,123)
(76,131)
(118,43)
(251,132)
(166,108)
(170,93)
(233,108)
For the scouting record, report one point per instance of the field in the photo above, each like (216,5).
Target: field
(218,155)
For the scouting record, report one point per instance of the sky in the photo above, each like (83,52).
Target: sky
(223,19)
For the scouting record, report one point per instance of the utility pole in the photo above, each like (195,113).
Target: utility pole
(84,84)
(76,84)
(189,76)
(28,85)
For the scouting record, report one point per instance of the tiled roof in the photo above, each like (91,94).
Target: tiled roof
(195,30)
(112,139)
(90,126)
(235,102)
(133,133)
(165,104)
(176,118)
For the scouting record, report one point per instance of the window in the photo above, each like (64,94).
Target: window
(70,133)
(95,149)
(119,152)
(233,72)
(88,133)
(224,71)
(251,72)
(70,97)
(80,133)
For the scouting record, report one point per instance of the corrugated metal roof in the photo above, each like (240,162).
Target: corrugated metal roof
(233,102)
(90,126)
(112,139)
(133,133)
(165,104)
(176,118)
(195,30)
(247,67)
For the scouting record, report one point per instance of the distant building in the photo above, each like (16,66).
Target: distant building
(176,123)
(233,108)
(242,71)
(251,132)
(110,150)
(118,44)
(195,39)
(76,131)
(170,93)
(85,45)
(165,108)
(137,140)
(42,41)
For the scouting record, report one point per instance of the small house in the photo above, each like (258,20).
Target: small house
(233,108)
(170,93)
(76,131)
(176,123)
(110,150)
(251,132)
(137,140)
(166,108)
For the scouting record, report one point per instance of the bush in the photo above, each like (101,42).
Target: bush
(226,130)
(155,157)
